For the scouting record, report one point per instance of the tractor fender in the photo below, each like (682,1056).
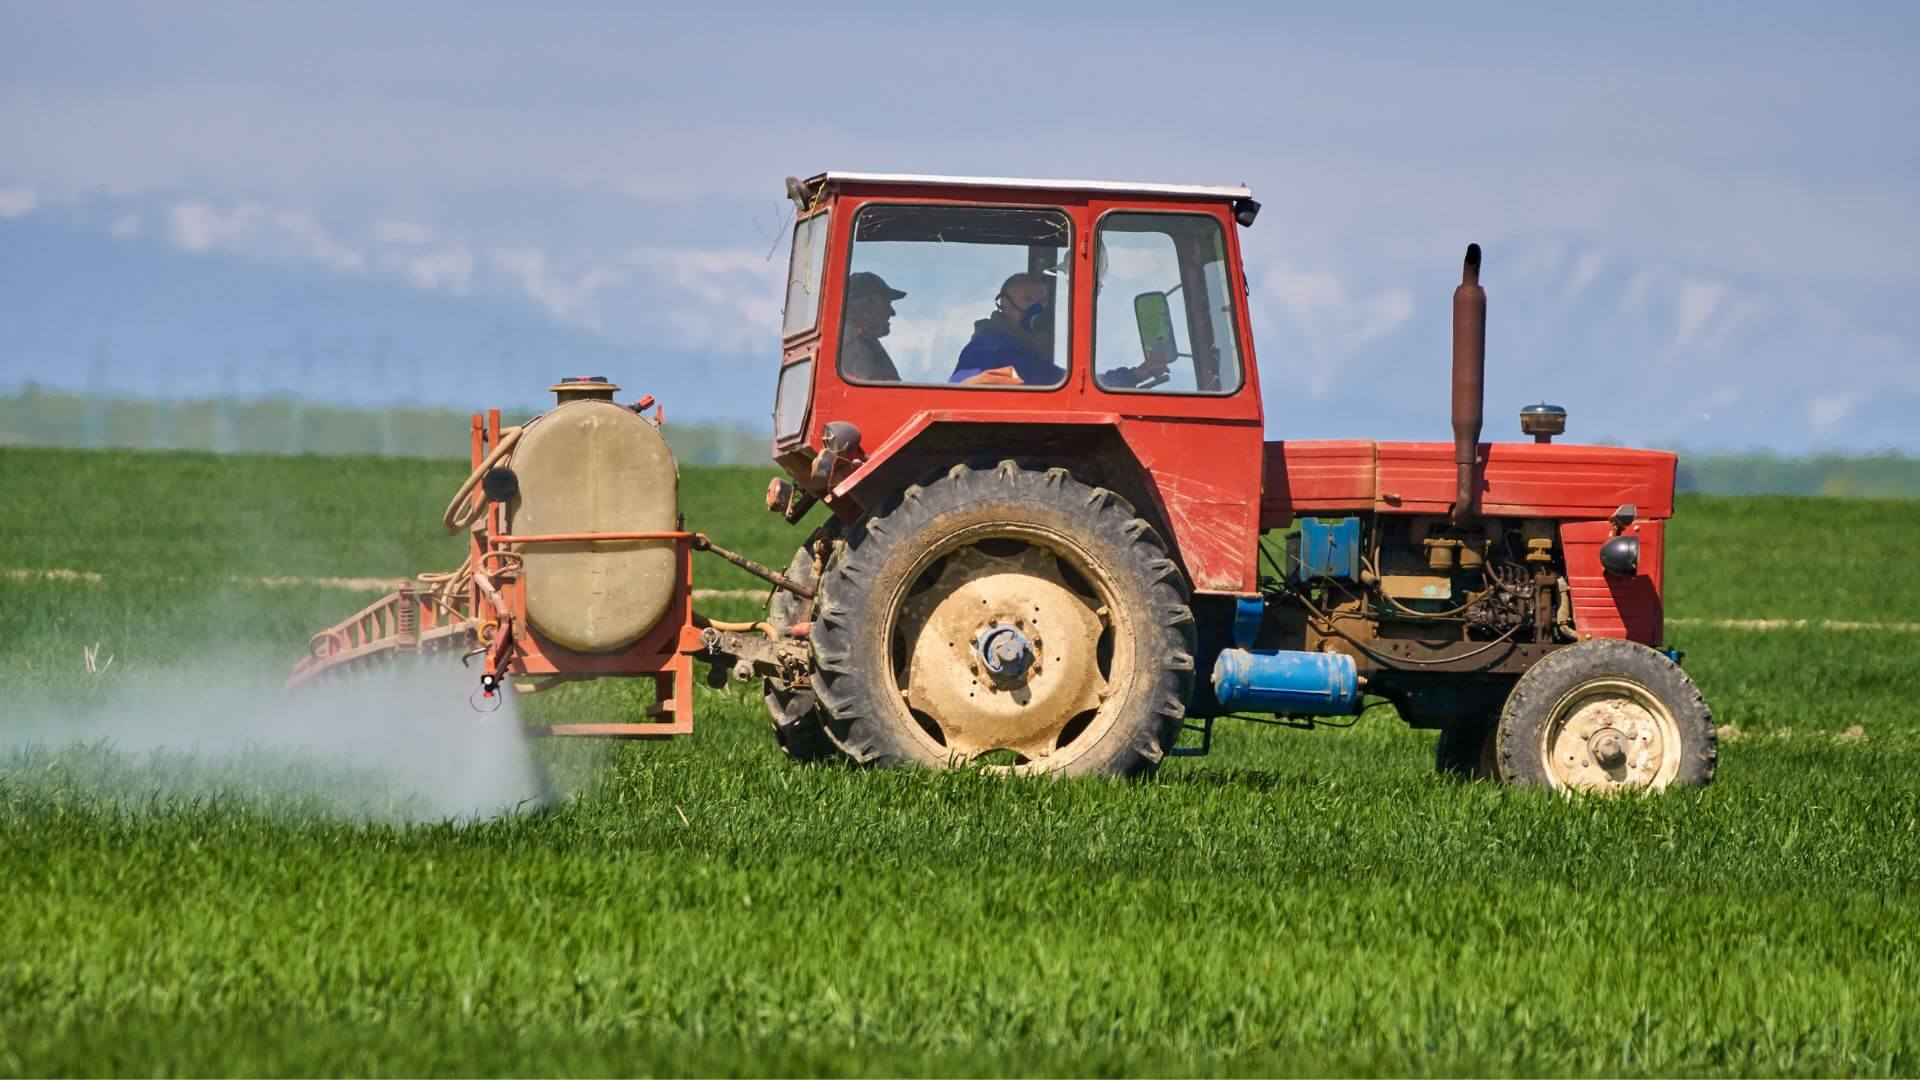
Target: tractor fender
(1178,476)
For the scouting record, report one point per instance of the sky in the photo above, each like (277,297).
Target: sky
(1699,219)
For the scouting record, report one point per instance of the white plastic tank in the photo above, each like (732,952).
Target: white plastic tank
(593,466)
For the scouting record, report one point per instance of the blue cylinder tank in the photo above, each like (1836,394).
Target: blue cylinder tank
(1286,682)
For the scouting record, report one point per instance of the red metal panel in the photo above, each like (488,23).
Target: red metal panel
(1529,480)
(1616,607)
(1207,477)
(913,426)
(1305,477)
(1562,481)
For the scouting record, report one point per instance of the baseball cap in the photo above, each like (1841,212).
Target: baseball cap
(866,281)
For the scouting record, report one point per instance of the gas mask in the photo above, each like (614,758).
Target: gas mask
(1034,319)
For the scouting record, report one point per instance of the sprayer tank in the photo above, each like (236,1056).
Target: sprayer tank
(590,465)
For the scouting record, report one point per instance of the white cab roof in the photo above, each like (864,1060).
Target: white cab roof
(1110,186)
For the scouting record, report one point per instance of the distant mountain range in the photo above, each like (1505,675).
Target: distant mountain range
(82,311)
(1638,353)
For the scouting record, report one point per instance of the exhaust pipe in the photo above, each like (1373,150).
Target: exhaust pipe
(1469,380)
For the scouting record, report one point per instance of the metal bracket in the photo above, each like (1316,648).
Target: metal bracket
(1205,728)
(751,656)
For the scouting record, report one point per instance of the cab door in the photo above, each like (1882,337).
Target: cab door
(1169,353)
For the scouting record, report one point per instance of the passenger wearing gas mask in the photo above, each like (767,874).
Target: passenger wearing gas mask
(1014,345)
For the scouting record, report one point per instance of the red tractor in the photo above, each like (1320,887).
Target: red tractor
(1034,411)
(1058,538)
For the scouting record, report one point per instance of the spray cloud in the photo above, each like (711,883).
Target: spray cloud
(398,745)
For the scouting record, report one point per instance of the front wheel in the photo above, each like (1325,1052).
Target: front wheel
(1009,616)
(1466,753)
(1606,715)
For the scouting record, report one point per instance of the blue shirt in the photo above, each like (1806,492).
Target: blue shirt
(995,346)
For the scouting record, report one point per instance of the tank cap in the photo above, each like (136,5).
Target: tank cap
(584,388)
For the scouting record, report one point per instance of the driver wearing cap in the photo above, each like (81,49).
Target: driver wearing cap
(868,318)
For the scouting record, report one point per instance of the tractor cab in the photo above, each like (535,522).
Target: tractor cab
(923,309)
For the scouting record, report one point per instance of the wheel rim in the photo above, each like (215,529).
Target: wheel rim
(1007,639)
(1612,735)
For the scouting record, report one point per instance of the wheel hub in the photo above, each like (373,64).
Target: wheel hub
(1612,735)
(1006,653)
(999,652)
(1609,748)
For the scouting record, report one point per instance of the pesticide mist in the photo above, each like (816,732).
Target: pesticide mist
(394,746)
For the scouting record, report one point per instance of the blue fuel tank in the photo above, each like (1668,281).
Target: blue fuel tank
(1285,681)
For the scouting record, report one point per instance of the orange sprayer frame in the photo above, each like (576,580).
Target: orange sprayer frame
(491,615)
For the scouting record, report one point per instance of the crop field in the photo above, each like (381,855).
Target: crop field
(1296,902)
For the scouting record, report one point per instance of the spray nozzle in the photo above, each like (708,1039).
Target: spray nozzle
(489,687)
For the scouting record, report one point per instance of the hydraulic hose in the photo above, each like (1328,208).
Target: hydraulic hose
(462,511)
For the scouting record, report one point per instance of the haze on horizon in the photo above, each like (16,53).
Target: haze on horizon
(1699,219)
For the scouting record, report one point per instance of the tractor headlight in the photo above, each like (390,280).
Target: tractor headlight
(1621,555)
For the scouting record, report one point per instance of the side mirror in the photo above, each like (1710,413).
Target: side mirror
(1154,319)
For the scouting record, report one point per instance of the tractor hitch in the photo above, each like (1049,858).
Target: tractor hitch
(746,656)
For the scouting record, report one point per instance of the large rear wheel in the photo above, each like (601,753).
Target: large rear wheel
(1008,616)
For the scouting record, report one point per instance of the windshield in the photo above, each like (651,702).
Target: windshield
(957,296)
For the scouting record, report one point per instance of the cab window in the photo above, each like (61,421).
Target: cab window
(804,271)
(1163,306)
(957,296)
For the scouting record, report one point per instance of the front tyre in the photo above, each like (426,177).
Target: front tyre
(1017,617)
(1606,715)
(1466,753)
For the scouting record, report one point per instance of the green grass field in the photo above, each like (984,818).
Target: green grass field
(1298,902)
